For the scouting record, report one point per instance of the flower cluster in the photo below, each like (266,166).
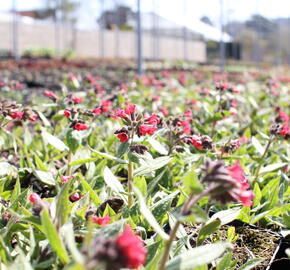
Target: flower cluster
(124,251)
(227,184)
(135,124)
(281,127)
(16,111)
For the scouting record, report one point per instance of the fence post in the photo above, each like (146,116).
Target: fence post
(139,40)
(15,39)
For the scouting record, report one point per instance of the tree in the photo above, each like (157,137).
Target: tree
(206,20)
(119,17)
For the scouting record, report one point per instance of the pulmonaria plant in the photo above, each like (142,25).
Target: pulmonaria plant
(227,184)
(135,124)
(11,110)
(281,127)
(123,251)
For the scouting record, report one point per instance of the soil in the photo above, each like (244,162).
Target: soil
(251,242)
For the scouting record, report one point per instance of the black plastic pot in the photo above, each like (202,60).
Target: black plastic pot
(280,260)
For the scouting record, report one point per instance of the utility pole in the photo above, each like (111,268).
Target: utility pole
(155,43)
(102,33)
(139,40)
(256,45)
(57,25)
(185,31)
(222,44)
(15,31)
(117,31)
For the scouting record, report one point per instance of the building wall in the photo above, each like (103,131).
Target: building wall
(117,44)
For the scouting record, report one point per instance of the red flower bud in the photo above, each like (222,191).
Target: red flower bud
(80,126)
(123,137)
(34,197)
(16,115)
(77,100)
(132,248)
(67,113)
(103,221)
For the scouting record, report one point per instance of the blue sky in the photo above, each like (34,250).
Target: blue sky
(234,9)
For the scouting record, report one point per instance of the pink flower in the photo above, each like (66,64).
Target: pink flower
(152,120)
(49,94)
(80,126)
(97,111)
(16,115)
(132,248)
(67,113)
(156,99)
(34,197)
(120,113)
(285,130)
(246,197)
(283,116)
(77,100)
(143,130)
(130,109)
(74,197)
(243,139)
(66,178)
(237,173)
(186,126)
(188,113)
(123,137)
(164,111)
(196,142)
(106,105)
(103,221)
(33,117)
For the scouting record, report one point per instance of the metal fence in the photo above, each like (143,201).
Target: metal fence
(109,28)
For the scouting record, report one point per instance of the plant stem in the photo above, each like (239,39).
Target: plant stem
(185,209)
(262,157)
(130,183)
(69,167)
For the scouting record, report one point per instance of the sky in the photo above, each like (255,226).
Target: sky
(176,9)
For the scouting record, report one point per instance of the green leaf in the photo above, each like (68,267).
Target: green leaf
(113,183)
(258,146)
(53,237)
(54,141)
(151,251)
(69,239)
(40,165)
(45,177)
(226,216)
(80,162)
(73,139)
(251,264)
(63,204)
(122,149)
(152,165)
(225,262)
(163,206)
(148,215)
(20,200)
(158,146)
(141,184)
(7,169)
(16,191)
(88,188)
(258,195)
(191,183)
(108,156)
(197,257)
(207,230)
(272,167)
